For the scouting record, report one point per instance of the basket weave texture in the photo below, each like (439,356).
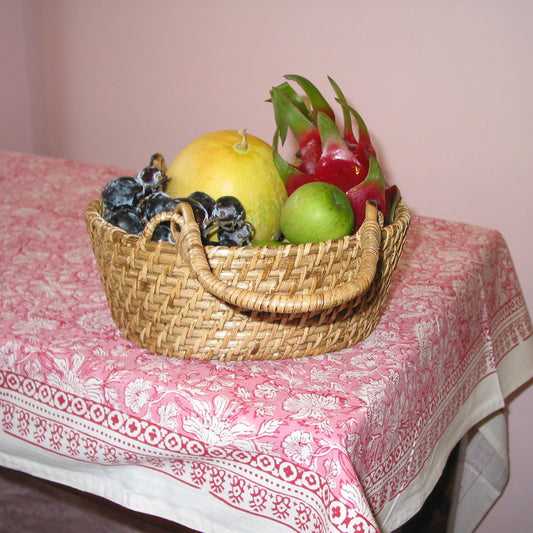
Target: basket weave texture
(240,303)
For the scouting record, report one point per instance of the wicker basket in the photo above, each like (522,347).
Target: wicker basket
(273,302)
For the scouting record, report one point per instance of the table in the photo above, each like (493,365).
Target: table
(346,441)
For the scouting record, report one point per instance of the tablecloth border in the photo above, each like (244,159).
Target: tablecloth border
(75,427)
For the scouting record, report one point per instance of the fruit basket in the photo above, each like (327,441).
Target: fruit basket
(245,303)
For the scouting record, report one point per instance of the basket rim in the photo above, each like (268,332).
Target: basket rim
(94,216)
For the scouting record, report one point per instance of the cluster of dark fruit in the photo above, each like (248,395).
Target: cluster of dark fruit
(130,203)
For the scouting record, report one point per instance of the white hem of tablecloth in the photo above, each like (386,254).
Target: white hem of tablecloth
(515,370)
(471,413)
(201,512)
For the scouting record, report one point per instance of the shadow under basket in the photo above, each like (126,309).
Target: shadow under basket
(240,303)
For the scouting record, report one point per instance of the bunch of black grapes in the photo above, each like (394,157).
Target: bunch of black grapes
(131,202)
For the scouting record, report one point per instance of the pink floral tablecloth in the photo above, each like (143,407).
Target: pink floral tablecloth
(345,442)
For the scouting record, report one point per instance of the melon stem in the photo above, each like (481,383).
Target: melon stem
(242,146)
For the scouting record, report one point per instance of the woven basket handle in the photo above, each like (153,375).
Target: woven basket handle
(189,240)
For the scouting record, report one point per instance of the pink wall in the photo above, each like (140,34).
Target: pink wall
(445,87)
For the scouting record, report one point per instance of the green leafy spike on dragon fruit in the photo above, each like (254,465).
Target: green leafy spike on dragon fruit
(282,113)
(285,169)
(288,115)
(364,146)
(317,101)
(295,98)
(348,133)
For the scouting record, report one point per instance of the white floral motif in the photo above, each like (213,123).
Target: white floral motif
(298,445)
(69,378)
(9,354)
(34,326)
(266,390)
(353,494)
(31,257)
(264,409)
(34,370)
(216,383)
(96,321)
(168,415)
(218,424)
(304,406)
(243,394)
(136,394)
(332,471)
(50,288)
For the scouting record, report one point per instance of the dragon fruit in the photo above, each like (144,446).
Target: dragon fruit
(325,152)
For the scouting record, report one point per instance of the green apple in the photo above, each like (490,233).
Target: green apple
(316,212)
